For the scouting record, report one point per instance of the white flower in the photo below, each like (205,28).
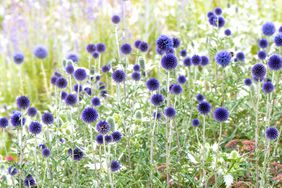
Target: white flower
(228,180)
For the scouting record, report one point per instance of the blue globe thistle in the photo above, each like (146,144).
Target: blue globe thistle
(227,32)
(183,53)
(157,99)
(159,51)
(69,69)
(115,19)
(137,43)
(136,67)
(71,99)
(53,80)
(259,71)
(29,181)
(18,58)
(63,95)
(91,48)
(268,28)
(213,20)
(221,21)
(108,139)
(195,122)
(76,154)
(88,91)
(218,11)
(17,119)
(248,82)
(47,118)
(99,139)
(116,136)
(204,60)
(46,152)
(56,73)
(280,29)
(115,166)
(153,84)
(187,62)
(196,60)
(275,62)
(136,76)
(77,87)
(118,76)
(95,55)
(73,57)
(106,68)
(169,112)
(89,115)
(240,56)
(4,122)
(100,47)
(22,102)
(220,114)
(181,79)
(263,43)
(268,87)
(164,43)
(35,127)
(157,115)
(143,46)
(176,42)
(169,62)
(103,93)
(42,146)
(200,97)
(271,133)
(40,52)
(95,101)
(176,89)
(223,58)
(204,107)
(170,51)
(262,55)
(31,111)
(210,13)
(80,74)
(278,39)
(103,127)
(126,48)
(61,82)
(12,170)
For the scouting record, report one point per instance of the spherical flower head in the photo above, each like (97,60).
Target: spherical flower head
(268,87)
(209,14)
(126,48)
(88,91)
(204,60)
(77,87)
(116,136)
(280,29)
(221,21)
(91,48)
(196,60)
(227,32)
(176,42)
(157,115)
(18,58)
(95,55)
(263,43)
(73,57)
(17,119)
(271,133)
(169,62)
(40,52)
(115,166)
(106,68)
(183,53)
(204,108)
(12,171)
(213,20)
(89,115)
(31,111)
(63,95)
(42,146)
(218,11)
(248,82)
(99,139)
(259,71)
(71,99)
(164,43)
(176,89)
(61,82)
(136,67)
(220,114)
(4,122)
(278,39)
(170,51)
(136,76)
(187,62)
(157,99)
(118,76)
(80,74)
(29,181)
(143,46)
(137,43)
(76,154)
(115,19)
(95,101)
(153,84)
(100,47)
(46,152)
(103,127)
(47,118)
(275,62)
(35,127)
(169,112)
(159,51)
(22,102)
(181,79)
(200,97)
(240,56)
(223,58)
(195,122)
(69,69)
(108,139)
(53,80)
(262,55)
(268,28)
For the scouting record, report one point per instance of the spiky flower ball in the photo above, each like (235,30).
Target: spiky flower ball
(73,57)
(221,114)
(29,181)
(176,42)
(17,119)
(80,74)
(157,99)
(176,89)
(106,68)
(268,28)
(169,112)
(77,87)
(183,53)
(126,48)
(195,122)
(76,154)
(103,127)
(181,79)
(262,55)
(61,82)
(91,48)
(204,60)
(136,76)
(157,115)
(271,133)
(169,62)
(35,127)
(89,115)
(187,62)
(46,152)
(118,76)
(204,107)
(99,139)
(275,62)
(200,97)
(196,60)
(71,99)
(227,32)
(95,55)
(18,58)
(268,87)
(164,43)
(63,95)
(259,71)
(22,102)
(95,101)
(12,170)
(263,43)
(4,122)
(136,67)
(116,136)
(143,46)
(115,166)
(137,43)
(101,47)
(153,84)
(53,80)
(240,56)
(115,19)
(223,58)
(108,138)
(47,118)
(278,39)
(40,52)
(69,69)
(218,11)
(248,82)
